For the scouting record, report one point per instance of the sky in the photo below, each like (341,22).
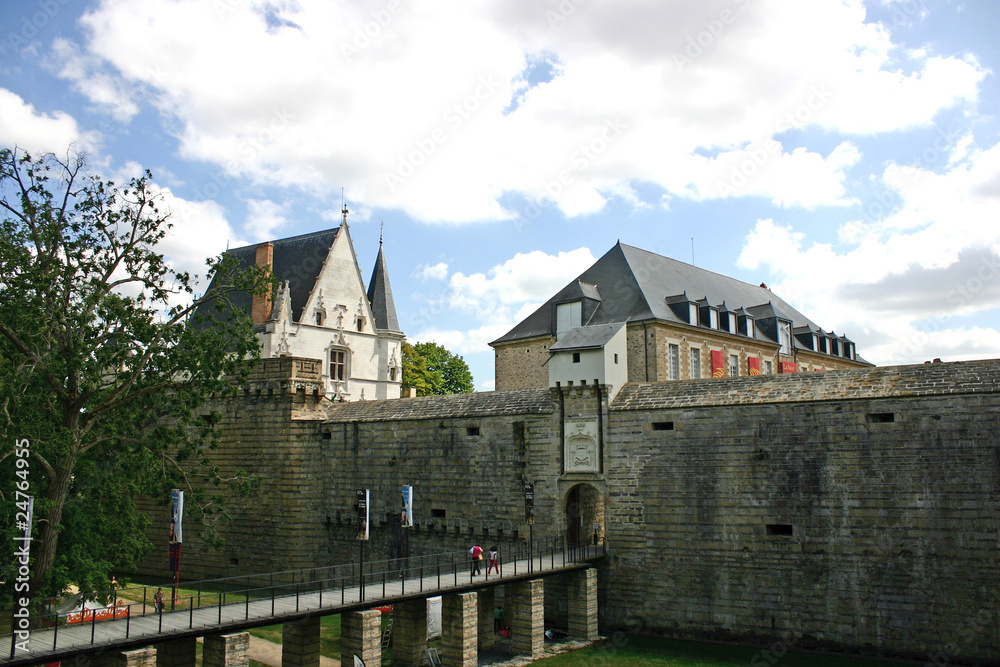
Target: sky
(845,153)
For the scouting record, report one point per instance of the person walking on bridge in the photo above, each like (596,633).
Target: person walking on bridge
(476,553)
(494,560)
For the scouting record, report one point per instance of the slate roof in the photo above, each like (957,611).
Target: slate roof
(636,284)
(479,404)
(297,259)
(380,296)
(587,338)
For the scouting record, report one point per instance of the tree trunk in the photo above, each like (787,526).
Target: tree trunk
(48,531)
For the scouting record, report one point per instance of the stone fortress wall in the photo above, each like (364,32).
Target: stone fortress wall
(852,510)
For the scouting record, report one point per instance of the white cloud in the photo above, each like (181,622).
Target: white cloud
(24,127)
(87,72)
(897,283)
(499,298)
(519,280)
(264,218)
(425,272)
(308,93)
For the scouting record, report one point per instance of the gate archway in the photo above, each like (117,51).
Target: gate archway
(584,514)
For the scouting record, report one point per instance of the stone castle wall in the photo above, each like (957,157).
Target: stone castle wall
(849,510)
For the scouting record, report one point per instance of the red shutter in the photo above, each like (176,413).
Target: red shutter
(753,365)
(789,367)
(718,364)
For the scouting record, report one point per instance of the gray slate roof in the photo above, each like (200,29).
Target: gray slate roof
(635,284)
(479,404)
(964,377)
(380,296)
(587,338)
(297,259)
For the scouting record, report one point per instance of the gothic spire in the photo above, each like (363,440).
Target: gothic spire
(380,294)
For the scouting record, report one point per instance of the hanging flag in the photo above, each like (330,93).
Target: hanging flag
(362,498)
(406,516)
(177,516)
(718,364)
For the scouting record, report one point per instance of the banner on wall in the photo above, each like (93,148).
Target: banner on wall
(718,364)
(789,367)
(406,516)
(176,516)
(753,365)
(362,499)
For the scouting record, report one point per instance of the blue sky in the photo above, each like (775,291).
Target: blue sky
(845,153)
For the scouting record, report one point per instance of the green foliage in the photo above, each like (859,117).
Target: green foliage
(432,369)
(103,368)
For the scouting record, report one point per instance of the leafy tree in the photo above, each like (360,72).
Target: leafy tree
(416,374)
(103,369)
(432,369)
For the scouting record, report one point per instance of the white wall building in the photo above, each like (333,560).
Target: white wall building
(321,310)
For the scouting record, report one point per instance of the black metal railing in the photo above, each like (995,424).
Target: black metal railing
(310,589)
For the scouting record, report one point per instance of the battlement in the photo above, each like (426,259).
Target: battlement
(300,378)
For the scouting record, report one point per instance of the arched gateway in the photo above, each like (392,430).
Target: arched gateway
(584,514)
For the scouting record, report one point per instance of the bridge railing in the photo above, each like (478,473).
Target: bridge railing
(365,580)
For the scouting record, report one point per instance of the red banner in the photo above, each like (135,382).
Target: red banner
(118,610)
(753,365)
(718,364)
(789,367)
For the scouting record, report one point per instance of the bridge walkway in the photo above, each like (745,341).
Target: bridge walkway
(310,593)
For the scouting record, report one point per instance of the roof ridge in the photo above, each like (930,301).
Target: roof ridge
(289,238)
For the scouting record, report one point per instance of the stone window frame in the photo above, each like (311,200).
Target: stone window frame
(344,364)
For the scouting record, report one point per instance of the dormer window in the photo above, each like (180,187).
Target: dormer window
(713,318)
(785,337)
(747,326)
(568,316)
(693,314)
(731,322)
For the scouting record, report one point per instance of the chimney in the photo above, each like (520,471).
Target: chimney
(260,309)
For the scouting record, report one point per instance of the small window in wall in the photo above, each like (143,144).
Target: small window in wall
(695,363)
(392,374)
(663,426)
(319,319)
(438,514)
(472,430)
(768,368)
(576,357)
(616,358)
(782,529)
(734,365)
(881,417)
(674,360)
(361,324)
